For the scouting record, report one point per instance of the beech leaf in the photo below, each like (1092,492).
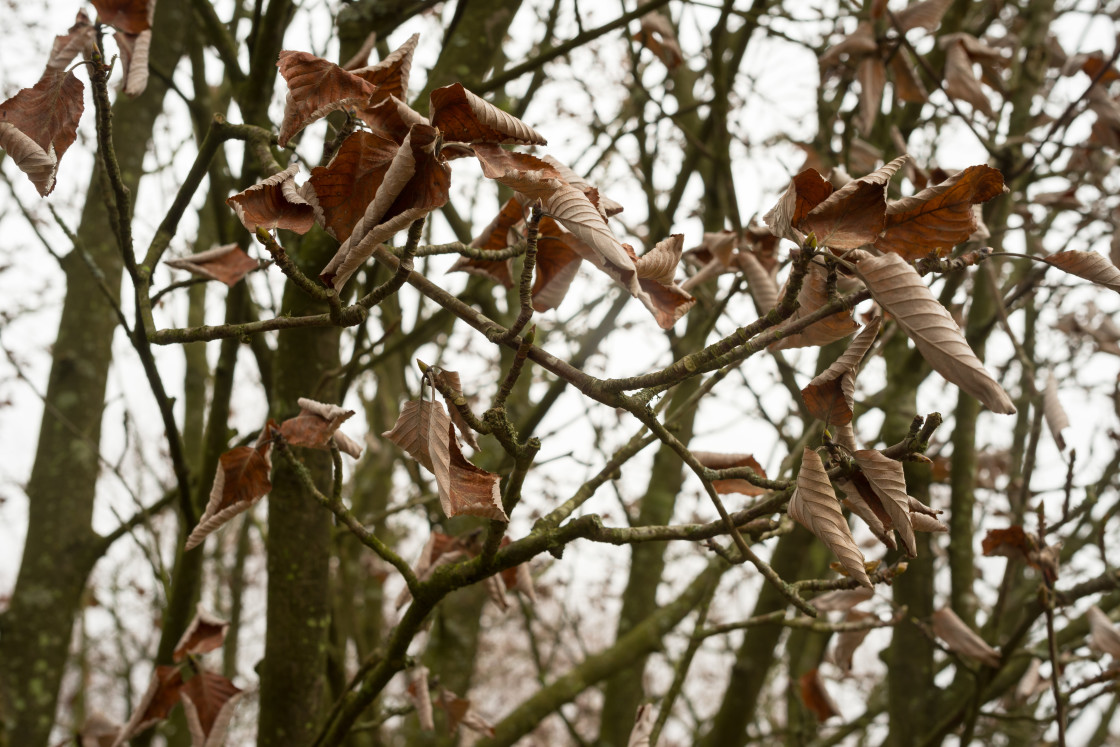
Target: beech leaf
(760,283)
(521,172)
(226,264)
(135,50)
(461,713)
(1103,635)
(464,117)
(391,118)
(848,641)
(1055,415)
(205,633)
(856,44)
(129,16)
(390,76)
(656,270)
(815,507)
(872,75)
(340,191)
(841,600)
(40,123)
(861,500)
(158,700)
(275,202)
(421,696)
(209,700)
(317,425)
(1010,542)
(559,256)
(316,87)
(241,480)
(473,491)
(814,295)
(830,395)
(960,80)
(961,639)
(815,696)
(494,237)
(926,523)
(926,14)
(658,36)
(606,205)
(713,460)
(886,478)
(78,40)
(853,215)
(1089,265)
(421,430)
(451,380)
(940,217)
(907,85)
(898,288)
(644,721)
(807,190)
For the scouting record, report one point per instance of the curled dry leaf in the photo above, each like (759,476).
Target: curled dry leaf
(129,16)
(241,480)
(845,436)
(317,425)
(1031,683)
(856,44)
(1089,265)
(1103,635)
(316,87)
(656,270)
(158,700)
(523,173)
(886,478)
(461,713)
(1056,418)
(658,36)
(226,264)
(135,50)
(815,696)
(559,256)
(275,202)
(421,430)
(917,507)
(960,80)
(209,700)
(815,507)
(849,640)
(853,215)
(813,296)
(897,287)
(961,639)
(861,500)
(340,191)
(872,75)
(440,549)
(830,395)
(926,523)
(464,117)
(940,217)
(606,205)
(907,85)
(450,379)
(841,600)
(204,634)
(644,721)
(40,123)
(78,40)
(421,696)
(391,118)
(390,76)
(925,14)
(760,283)
(807,190)
(494,237)
(474,491)
(713,460)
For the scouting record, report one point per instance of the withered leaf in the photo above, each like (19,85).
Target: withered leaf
(656,270)
(658,36)
(494,237)
(961,639)
(559,256)
(815,507)
(925,14)
(464,117)
(390,76)
(241,480)
(940,217)
(440,549)
(872,75)
(1103,635)
(644,721)
(421,430)
(813,296)
(849,640)
(421,696)
(606,205)
(1053,411)
(926,523)
(317,425)
(391,118)
(521,172)
(40,123)
(473,490)
(760,283)
(460,713)
(135,50)
(226,264)
(853,215)
(907,85)
(841,600)
(340,191)
(158,700)
(205,633)
(78,40)
(856,44)
(898,288)
(450,379)
(807,190)
(129,16)
(209,700)
(713,460)
(917,507)
(1009,542)
(960,80)
(815,696)
(1089,265)
(275,202)
(316,87)
(861,500)
(886,478)
(830,395)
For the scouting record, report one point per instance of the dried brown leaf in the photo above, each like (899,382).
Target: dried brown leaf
(226,264)
(391,118)
(242,479)
(78,40)
(1052,409)
(656,270)
(926,14)
(917,507)
(464,117)
(960,80)
(713,460)
(861,500)
(830,395)
(204,633)
(841,600)
(898,288)
(98,730)
(421,696)
(559,256)
(760,283)
(807,190)
(858,43)
(813,296)
(523,173)
(340,191)
(450,379)
(815,696)
(40,123)
(461,713)
(495,236)
(317,425)
(940,217)
(161,696)
(961,639)
(853,215)
(658,36)
(390,76)
(644,721)
(872,75)
(815,507)
(316,87)
(1089,265)
(129,16)
(474,491)
(209,700)
(889,483)
(274,203)
(1103,634)
(907,85)
(848,641)
(421,430)
(135,50)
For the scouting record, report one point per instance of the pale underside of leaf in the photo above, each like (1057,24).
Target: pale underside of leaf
(209,701)
(421,430)
(1089,265)
(39,165)
(923,522)
(1103,635)
(241,480)
(226,264)
(451,380)
(607,206)
(855,503)
(898,288)
(464,117)
(391,74)
(961,639)
(1053,411)
(760,283)
(644,722)
(872,74)
(889,483)
(815,507)
(135,51)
